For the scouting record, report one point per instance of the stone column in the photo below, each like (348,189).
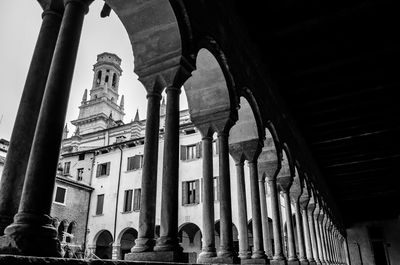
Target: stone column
(32,230)
(147,215)
(258,248)
(321,253)
(326,240)
(116,251)
(208,249)
(323,239)
(168,241)
(278,258)
(244,252)
(285,182)
(316,229)
(226,252)
(307,239)
(264,218)
(314,247)
(13,176)
(300,233)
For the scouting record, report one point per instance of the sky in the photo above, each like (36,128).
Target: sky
(17,42)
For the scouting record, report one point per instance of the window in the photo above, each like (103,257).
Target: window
(66,168)
(135,162)
(80,174)
(190,152)
(136,199)
(103,169)
(98,77)
(100,202)
(106,79)
(128,201)
(190,192)
(114,80)
(60,195)
(216,189)
(81,157)
(215,147)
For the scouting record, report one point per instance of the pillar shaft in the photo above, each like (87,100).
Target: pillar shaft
(226,236)
(307,237)
(313,237)
(318,241)
(300,232)
(13,177)
(244,252)
(170,182)
(264,219)
(32,225)
(208,249)
(289,226)
(276,221)
(147,215)
(323,241)
(258,248)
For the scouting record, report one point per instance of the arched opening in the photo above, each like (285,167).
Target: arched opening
(190,238)
(70,237)
(104,245)
(271,234)
(127,241)
(106,79)
(114,80)
(61,229)
(250,234)
(98,80)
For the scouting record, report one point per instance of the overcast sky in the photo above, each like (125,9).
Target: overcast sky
(19,28)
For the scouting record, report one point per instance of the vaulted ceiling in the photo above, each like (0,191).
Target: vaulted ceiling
(336,66)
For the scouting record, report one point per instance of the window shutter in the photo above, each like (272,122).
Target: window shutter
(136,162)
(129,205)
(100,202)
(201,149)
(183,152)
(197,191)
(135,200)
(129,167)
(108,168)
(98,170)
(198,154)
(184,192)
(202,189)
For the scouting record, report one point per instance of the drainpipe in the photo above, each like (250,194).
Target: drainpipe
(89,201)
(117,199)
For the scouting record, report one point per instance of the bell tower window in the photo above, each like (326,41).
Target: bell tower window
(98,77)
(106,80)
(114,80)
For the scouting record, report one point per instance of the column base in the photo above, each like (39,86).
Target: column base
(293,262)
(313,262)
(205,256)
(143,245)
(304,262)
(167,256)
(254,261)
(33,235)
(167,244)
(223,260)
(278,262)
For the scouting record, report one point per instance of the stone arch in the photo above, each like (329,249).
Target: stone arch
(126,240)
(210,91)
(190,237)
(61,228)
(155,38)
(270,159)
(70,238)
(103,242)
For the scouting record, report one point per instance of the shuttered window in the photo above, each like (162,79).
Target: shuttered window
(190,152)
(136,199)
(135,162)
(60,195)
(103,169)
(100,203)
(191,192)
(128,201)
(67,165)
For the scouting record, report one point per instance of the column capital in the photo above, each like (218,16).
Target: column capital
(84,3)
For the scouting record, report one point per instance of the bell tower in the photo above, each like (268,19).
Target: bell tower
(102,110)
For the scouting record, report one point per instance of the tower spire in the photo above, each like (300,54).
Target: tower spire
(137,115)
(84,98)
(122,103)
(65,132)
